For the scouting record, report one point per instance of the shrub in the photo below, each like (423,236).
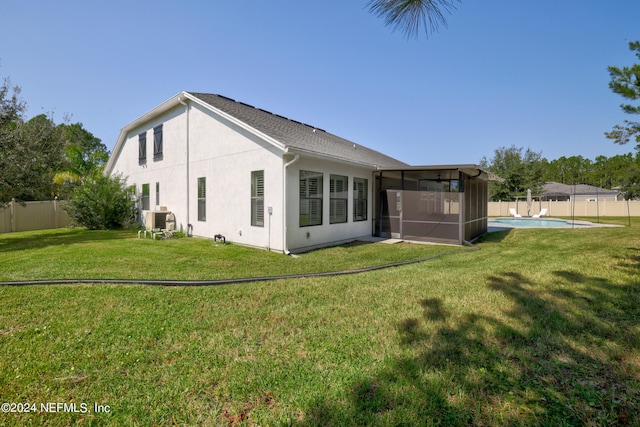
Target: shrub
(103,203)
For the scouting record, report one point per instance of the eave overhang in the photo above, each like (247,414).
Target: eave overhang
(468,169)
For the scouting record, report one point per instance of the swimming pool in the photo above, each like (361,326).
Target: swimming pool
(535,223)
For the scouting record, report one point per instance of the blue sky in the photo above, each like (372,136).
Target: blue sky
(527,73)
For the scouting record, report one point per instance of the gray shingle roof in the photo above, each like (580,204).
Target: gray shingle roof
(579,189)
(296,135)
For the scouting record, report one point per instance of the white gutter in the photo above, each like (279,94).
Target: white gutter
(285,248)
(313,154)
(187,165)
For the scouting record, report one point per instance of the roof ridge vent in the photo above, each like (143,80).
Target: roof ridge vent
(246,105)
(227,98)
(314,128)
(266,111)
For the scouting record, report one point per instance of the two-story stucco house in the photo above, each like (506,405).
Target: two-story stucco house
(260,179)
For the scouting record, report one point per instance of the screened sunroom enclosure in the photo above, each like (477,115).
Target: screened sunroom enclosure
(440,204)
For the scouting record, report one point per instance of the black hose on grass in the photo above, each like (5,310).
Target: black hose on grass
(229,281)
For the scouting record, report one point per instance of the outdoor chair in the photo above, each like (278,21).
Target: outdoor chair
(514,214)
(542,212)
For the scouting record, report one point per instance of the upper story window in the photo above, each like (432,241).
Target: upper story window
(310,198)
(157,143)
(142,148)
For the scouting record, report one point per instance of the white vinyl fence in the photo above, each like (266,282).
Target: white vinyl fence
(27,216)
(569,208)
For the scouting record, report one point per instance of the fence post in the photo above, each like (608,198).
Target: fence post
(55,212)
(12,216)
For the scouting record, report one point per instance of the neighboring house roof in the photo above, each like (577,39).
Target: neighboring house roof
(578,189)
(296,135)
(286,134)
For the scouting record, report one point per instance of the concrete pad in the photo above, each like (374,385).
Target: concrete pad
(375,239)
(391,241)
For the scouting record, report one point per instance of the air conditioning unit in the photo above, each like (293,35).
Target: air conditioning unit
(156,219)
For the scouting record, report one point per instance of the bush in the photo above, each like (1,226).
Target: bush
(103,203)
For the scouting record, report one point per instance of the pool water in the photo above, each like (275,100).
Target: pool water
(531,223)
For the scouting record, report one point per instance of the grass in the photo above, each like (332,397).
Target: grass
(82,254)
(539,327)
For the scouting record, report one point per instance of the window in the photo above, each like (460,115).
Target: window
(157,193)
(157,143)
(310,198)
(257,198)
(202,199)
(339,192)
(142,148)
(145,197)
(360,193)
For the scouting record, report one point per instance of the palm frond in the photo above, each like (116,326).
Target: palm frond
(410,15)
(65,176)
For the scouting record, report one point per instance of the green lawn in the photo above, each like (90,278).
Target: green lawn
(539,327)
(82,254)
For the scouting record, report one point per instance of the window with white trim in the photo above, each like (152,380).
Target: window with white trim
(145,197)
(360,199)
(202,199)
(338,195)
(310,198)
(257,198)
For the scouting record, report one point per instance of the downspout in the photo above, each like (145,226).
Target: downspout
(462,215)
(285,247)
(187,166)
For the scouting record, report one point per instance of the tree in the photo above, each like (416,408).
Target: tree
(631,185)
(605,172)
(30,153)
(39,159)
(85,157)
(610,172)
(12,108)
(625,81)
(102,203)
(410,15)
(11,105)
(519,171)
